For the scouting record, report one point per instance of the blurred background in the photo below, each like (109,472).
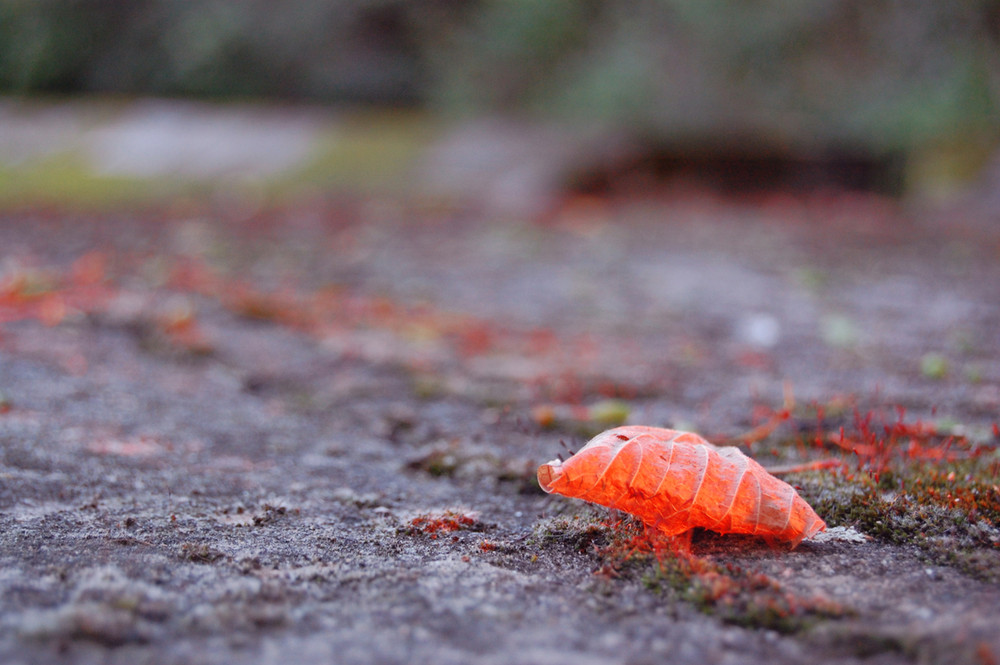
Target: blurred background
(878,95)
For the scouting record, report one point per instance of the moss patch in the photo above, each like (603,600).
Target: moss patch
(720,588)
(67,179)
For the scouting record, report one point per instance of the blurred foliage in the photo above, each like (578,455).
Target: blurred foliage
(326,51)
(884,73)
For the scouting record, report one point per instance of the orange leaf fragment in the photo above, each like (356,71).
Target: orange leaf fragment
(675,481)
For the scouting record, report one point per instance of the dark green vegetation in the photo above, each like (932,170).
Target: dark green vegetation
(869,75)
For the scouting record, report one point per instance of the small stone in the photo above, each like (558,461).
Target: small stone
(760,330)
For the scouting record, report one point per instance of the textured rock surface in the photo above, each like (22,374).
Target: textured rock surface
(268,496)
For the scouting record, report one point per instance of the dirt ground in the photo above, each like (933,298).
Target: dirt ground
(309,434)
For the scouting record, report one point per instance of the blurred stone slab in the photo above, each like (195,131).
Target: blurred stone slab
(157,138)
(513,168)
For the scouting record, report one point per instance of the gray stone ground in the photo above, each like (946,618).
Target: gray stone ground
(256,504)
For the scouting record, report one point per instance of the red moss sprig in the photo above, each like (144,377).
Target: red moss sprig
(443,523)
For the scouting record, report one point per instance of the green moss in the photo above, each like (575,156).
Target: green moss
(610,412)
(439,463)
(934,366)
(869,645)
(200,553)
(580,533)
(950,510)
(735,595)
(741,597)
(868,512)
(977,563)
(66,179)
(368,154)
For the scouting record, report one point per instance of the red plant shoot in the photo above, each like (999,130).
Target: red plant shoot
(443,523)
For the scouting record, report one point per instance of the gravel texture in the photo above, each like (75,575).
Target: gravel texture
(262,494)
